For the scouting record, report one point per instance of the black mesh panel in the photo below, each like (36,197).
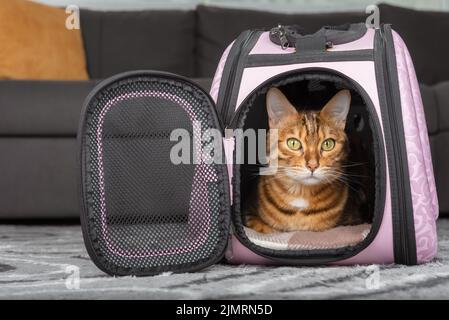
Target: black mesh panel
(145,214)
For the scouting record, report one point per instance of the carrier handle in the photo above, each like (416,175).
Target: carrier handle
(294,36)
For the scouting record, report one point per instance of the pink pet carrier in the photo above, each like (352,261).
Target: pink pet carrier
(143,213)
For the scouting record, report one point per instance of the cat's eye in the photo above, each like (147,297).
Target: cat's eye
(328,144)
(294,144)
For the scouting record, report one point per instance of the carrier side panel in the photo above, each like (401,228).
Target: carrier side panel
(422,181)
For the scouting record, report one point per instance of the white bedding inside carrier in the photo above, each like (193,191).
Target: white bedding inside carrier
(339,237)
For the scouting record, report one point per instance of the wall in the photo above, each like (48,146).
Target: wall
(276,5)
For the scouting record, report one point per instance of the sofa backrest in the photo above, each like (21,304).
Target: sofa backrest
(426,34)
(191,42)
(436,102)
(154,39)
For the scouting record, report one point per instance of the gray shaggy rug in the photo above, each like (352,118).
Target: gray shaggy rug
(43,262)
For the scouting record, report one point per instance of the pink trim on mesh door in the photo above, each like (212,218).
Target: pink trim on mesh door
(203,174)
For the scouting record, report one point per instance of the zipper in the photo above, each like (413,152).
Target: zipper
(405,251)
(230,84)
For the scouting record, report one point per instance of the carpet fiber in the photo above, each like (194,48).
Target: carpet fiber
(42,262)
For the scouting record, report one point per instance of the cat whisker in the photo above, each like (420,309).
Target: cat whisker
(344,181)
(350,175)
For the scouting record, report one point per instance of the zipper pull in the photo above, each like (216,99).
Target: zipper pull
(280,33)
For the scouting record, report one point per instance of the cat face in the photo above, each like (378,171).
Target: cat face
(312,146)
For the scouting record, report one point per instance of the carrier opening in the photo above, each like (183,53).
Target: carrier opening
(353,184)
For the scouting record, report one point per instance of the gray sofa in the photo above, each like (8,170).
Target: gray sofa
(39,119)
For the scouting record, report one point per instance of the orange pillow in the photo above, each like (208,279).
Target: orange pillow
(35,43)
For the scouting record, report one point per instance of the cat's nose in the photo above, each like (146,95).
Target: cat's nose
(312,165)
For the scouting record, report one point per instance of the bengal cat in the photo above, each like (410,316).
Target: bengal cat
(309,190)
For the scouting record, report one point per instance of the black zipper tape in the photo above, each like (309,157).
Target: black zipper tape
(228,70)
(232,78)
(232,74)
(261,60)
(401,202)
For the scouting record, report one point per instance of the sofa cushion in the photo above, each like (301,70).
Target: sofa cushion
(425,33)
(440,157)
(39,178)
(123,41)
(436,107)
(49,108)
(217,27)
(42,108)
(204,83)
(35,43)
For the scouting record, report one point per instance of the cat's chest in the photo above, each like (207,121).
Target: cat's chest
(299,203)
(309,214)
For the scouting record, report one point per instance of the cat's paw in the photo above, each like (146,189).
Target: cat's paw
(258,225)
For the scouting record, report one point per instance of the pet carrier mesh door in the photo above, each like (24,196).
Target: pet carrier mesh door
(142,212)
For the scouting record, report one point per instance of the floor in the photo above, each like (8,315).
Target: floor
(43,262)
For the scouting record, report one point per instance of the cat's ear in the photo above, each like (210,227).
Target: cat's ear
(278,106)
(336,110)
